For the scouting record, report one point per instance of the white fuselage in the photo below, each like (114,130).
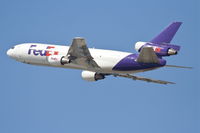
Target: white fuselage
(38,54)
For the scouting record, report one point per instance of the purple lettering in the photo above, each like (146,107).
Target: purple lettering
(42,52)
(33,46)
(36,52)
(29,51)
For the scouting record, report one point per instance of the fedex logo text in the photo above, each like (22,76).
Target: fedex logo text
(46,52)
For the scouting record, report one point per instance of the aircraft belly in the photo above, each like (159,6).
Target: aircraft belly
(129,64)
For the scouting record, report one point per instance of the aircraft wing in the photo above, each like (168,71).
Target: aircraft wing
(143,79)
(79,54)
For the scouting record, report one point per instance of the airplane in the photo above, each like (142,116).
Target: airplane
(99,63)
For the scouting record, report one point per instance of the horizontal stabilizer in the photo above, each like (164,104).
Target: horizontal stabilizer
(147,55)
(178,66)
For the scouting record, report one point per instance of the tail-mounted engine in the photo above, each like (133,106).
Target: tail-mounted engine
(160,49)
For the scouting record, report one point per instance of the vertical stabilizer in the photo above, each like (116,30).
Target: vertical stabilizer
(167,34)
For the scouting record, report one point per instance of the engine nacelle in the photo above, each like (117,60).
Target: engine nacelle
(160,49)
(58,60)
(139,45)
(91,76)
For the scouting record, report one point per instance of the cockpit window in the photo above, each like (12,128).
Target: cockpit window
(12,47)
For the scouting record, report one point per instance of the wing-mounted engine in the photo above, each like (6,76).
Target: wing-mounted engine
(58,60)
(91,76)
(163,49)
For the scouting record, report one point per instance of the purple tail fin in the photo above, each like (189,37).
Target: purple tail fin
(167,34)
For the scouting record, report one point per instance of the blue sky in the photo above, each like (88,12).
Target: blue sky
(43,99)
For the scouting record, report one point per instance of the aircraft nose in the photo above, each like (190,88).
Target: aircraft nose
(10,53)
